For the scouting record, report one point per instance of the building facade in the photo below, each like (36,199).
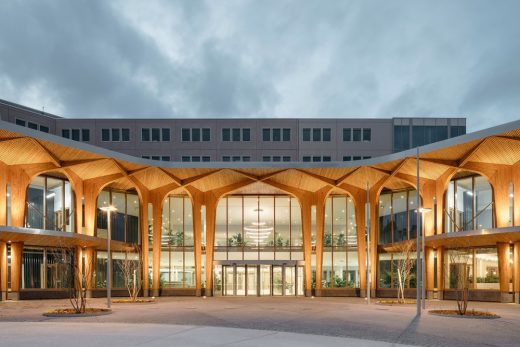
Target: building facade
(259,228)
(243,139)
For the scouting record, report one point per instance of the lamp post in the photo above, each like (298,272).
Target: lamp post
(108,210)
(423,210)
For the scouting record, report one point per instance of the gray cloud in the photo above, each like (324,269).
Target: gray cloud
(269,58)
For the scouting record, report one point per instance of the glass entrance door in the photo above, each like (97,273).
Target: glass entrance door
(258,280)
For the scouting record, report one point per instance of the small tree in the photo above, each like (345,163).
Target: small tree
(404,265)
(67,267)
(130,269)
(459,273)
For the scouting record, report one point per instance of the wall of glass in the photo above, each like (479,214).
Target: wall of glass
(468,204)
(387,270)
(50,204)
(397,216)
(125,221)
(177,248)
(258,227)
(477,266)
(47,268)
(340,252)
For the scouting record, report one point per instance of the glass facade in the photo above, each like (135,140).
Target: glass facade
(387,270)
(397,216)
(47,268)
(125,221)
(177,266)
(340,252)
(468,204)
(258,227)
(50,204)
(477,268)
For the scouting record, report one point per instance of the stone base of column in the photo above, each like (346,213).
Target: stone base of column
(13,296)
(506,297)
(517,298)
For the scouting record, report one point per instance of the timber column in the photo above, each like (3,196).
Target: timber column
(504,271)
(3,271)
(516,272)
(16,270)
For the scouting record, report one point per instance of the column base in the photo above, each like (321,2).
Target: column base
(13,296)
(506,297)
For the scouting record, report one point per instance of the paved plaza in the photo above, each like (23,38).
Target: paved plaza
(256,321)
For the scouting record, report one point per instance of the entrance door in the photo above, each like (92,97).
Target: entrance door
(229,280)
(278,280)
(252,280)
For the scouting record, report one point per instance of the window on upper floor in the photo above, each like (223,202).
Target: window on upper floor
(318,134)
(356,134)
(276,134)
(196,134)
(367,134)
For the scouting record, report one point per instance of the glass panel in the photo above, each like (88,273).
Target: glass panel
(385,270)
(228,280)
(327,270)
(327,228)
(464,204)
(235,236)
(33,268)
(35,207)
(221,224)
(290,280)
(241,280)
(102,224)
(483,203)
(400,218)
(252,275)
(265,280)
(277,280)
(385,224)
(486,269)
(118,217)
(188,222)
(265,224)
(340,269)
(132,210)
(282,223)
(449,210)
(412,213)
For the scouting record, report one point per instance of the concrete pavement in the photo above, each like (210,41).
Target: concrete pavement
(264,318)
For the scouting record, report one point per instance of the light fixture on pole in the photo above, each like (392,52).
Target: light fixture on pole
(109,210)
(423,210)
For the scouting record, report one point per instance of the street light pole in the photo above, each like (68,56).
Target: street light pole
(418,272)
(108,210)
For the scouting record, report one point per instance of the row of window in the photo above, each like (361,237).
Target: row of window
(204,134)
(32,125)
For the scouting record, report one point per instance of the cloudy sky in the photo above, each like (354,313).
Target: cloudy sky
(262,58)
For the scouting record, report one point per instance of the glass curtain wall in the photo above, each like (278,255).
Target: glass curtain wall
(50,204)
(177,248)
(340,252)
(477,267)
(125,221)
(47,268)
(397,216)
(468,204)
(258,227)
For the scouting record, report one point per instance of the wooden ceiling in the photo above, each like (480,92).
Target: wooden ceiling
(87,162)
